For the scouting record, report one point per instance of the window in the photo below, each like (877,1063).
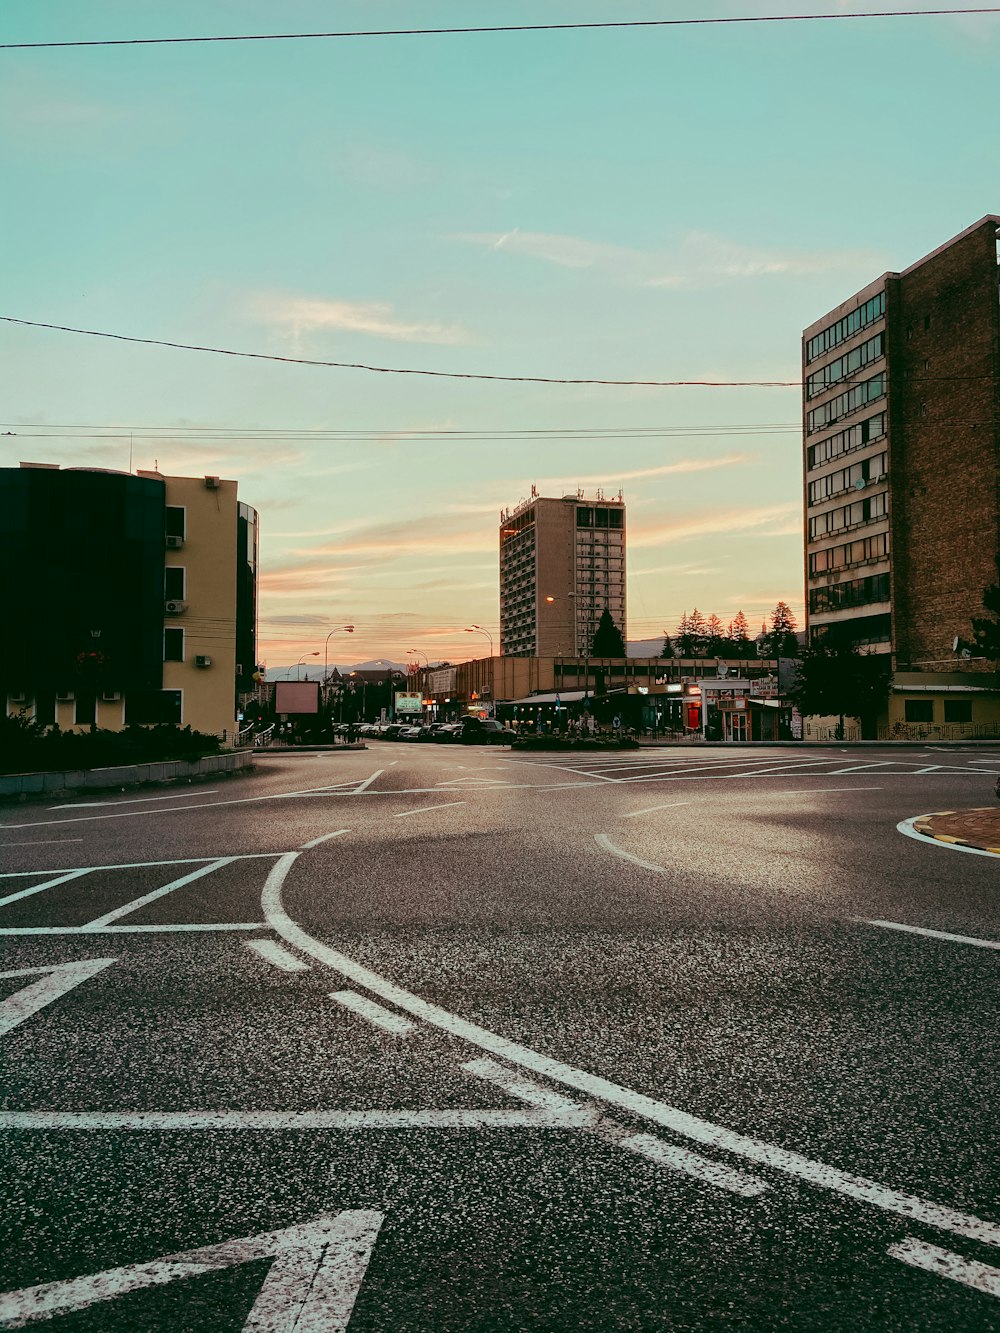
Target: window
(173,583)
(919,710)
(173,521)
(853,553)
(845,328)
(86,709)
(855,592)
(958,710)
(845,365)
(846,441)
(845,403)
(849,516)
(150,707)
(173,645)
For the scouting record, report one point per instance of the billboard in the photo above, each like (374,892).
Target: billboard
(409,702)
(296,696)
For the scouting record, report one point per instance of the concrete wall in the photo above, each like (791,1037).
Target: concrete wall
(122,775)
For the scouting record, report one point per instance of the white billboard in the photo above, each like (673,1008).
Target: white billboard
(409,701)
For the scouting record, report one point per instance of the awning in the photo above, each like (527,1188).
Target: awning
(563,697)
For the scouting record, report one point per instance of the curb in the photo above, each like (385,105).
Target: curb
(15,785)
(924,826)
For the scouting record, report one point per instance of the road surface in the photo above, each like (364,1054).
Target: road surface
(442,1038)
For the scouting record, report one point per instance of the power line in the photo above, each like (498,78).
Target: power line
(395,370)
(507,27)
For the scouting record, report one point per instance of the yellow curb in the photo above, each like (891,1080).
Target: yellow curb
(946,837)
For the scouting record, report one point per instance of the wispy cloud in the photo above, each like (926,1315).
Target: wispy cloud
(765,521)
(663,470)
(297,315)
(696,259)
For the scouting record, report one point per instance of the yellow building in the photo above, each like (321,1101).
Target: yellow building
(127,598)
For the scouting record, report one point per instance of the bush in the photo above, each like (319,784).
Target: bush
(26,747)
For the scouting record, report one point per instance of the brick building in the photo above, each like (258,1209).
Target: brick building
(562,564)
(901,426)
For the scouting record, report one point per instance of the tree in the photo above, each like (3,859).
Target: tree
(716,643)
(780,637)
(835,677)
(738,635)
(986,631)
(608,641)
(668,647)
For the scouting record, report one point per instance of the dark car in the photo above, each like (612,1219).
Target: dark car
(485,731)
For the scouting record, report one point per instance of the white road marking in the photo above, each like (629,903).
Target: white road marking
(40,842)
(425,809)
(312,1285)
(905,826)
(133,930)
(147,898)
(135,800)
(943,1263)
(932,934)
(273,952)
(808,791)
(680,1122)
(527,1090)
(37,888)
(363,786)
(861,768)
(651,808)
(142,865)
(58,980)
(373,1013)
(604,841)
(675,1157)
(931,768)
(315,842)
(573,1117)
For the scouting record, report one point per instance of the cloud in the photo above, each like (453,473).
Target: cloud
(444,533)
(696,259)
(663,470)
(764,521)
(307,314)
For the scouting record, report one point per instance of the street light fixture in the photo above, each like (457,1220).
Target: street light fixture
(473,629)
(341,629)
(298,664)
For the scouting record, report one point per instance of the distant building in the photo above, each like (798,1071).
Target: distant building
(901,416)
(562,563)
(125,598)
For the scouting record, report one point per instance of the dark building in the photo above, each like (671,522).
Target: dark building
(901,416)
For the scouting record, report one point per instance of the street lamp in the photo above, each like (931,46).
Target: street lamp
(341,629)
(473,629)
(298,673)
(426,683)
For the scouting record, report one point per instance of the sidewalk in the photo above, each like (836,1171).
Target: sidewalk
(978,828)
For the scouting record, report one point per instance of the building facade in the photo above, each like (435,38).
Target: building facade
(901,426)
(562,564)
(125,597)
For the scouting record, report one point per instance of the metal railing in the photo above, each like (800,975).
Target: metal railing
(242,737)
(940,731)
(263,738)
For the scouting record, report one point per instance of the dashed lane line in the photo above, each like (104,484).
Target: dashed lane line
(489,1117)
(277,955)
(604,841)
(40,842)
(426,809)
(932,934)
(681,1123)
(373,1013)
(325,837)
(651,809)
(809,791)
(943,1263)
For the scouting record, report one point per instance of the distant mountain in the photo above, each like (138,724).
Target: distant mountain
(644,647)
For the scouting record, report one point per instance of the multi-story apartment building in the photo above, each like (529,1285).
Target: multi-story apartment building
(125,598)
(562,564)
(901,414)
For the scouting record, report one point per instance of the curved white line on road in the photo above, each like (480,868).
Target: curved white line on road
(604,841)
(638,1104)
(906,826)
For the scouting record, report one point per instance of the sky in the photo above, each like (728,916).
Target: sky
(653,203)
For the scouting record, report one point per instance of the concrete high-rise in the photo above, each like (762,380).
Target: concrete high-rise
(901,418)
(562,564)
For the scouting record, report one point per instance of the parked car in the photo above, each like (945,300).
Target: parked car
(480,731)
(445,732)
(409,733)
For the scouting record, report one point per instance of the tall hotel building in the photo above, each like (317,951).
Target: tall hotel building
(562,563)
(901,415)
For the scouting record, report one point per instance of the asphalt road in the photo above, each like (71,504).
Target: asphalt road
(438,1038)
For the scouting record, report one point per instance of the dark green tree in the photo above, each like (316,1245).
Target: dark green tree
(716,643)
(836,678)
(668,647)
(608,641)
(738,636)
(986,629)
(781,640)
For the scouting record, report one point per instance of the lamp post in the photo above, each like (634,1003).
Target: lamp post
(298,664)
(340,629)
(474,629)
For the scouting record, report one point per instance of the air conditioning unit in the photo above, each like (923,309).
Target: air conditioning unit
(112,697)
(203,661)
(65,697)
(174,543)
(211,483)
(173,607)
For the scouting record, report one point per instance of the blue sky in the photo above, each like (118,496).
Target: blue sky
(645,204)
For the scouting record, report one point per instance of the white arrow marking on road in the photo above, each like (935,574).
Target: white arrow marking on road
(56,981)
(312,1285)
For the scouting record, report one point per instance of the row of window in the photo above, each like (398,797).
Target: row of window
(855,592)
(863,629)
(858,552)
(846,441)
(141,706)
(600,518)
(922,710)
(847,327)
(845,403)
(849,516)
(846,478)
(854,360)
